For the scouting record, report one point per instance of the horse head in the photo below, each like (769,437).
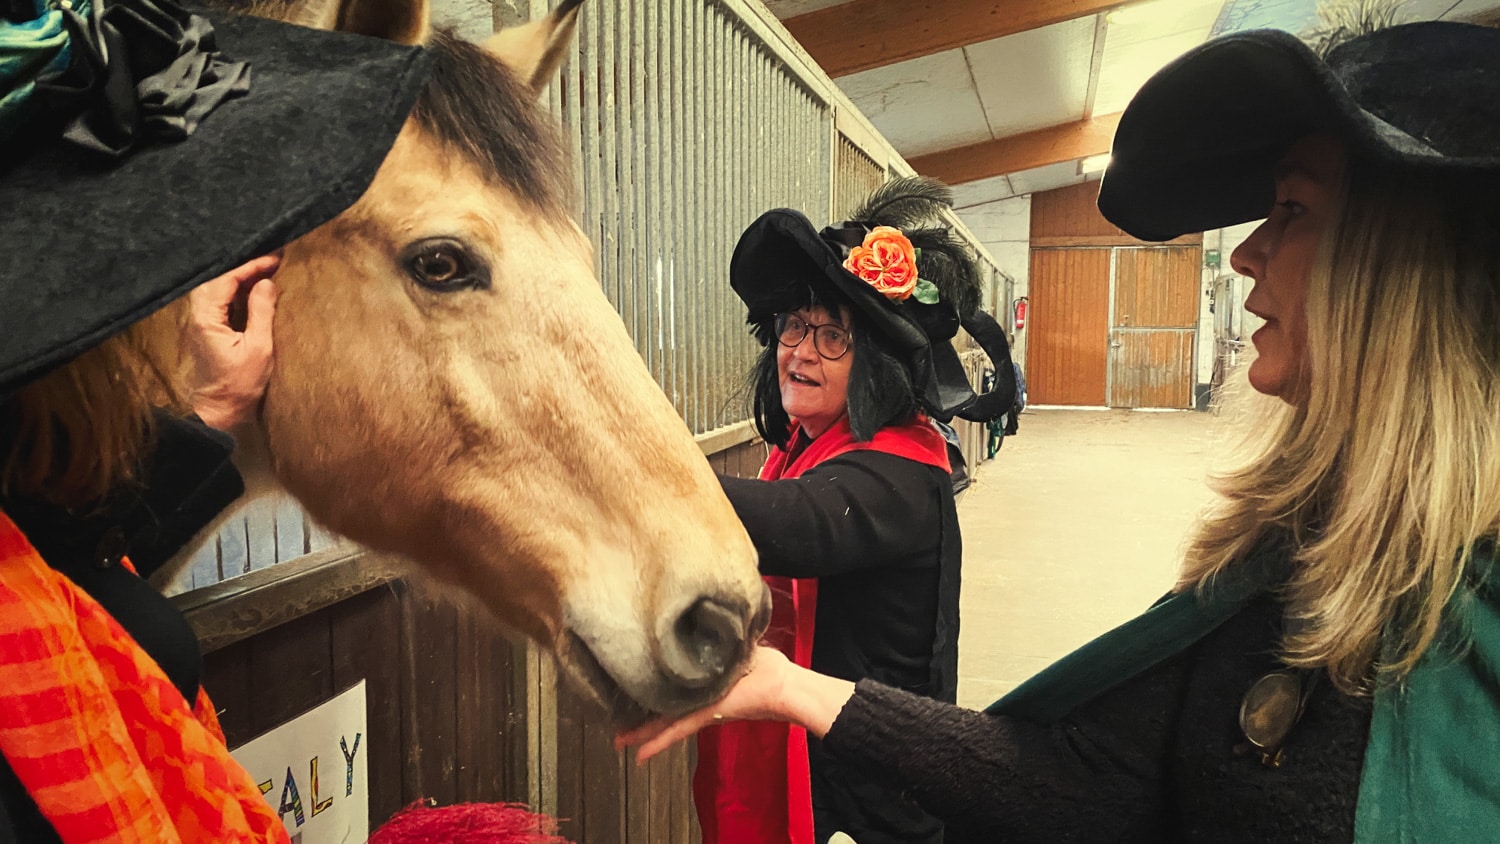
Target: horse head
(452,385)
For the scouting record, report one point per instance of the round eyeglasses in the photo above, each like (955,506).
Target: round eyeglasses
(831,340)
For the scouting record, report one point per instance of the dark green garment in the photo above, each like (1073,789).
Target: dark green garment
(1432,762)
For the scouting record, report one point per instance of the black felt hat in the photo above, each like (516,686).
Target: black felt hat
(232,137)
(1196,146)
(781,258)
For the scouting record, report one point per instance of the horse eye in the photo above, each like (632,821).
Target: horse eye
(444,265)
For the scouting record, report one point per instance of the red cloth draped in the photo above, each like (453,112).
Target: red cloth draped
(97,733)
(752,784)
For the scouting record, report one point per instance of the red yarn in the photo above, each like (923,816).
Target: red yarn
(468,823)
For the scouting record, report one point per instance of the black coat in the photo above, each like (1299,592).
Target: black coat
(1158,758)
(188,481)
(880,533)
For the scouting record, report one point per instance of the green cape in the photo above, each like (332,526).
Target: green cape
(1432,761)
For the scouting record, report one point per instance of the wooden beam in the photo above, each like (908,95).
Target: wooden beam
(1093,240)
(1020,152)
(866,34)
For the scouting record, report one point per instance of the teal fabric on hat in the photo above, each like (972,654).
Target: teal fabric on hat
(30,49)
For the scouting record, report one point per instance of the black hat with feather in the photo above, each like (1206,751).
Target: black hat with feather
(904,273)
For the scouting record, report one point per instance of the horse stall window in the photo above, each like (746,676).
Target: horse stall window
(685,127)
(855,176)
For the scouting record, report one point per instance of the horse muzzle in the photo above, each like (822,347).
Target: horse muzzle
(692,661)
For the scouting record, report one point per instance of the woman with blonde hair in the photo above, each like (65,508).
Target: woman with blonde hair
(1326,669)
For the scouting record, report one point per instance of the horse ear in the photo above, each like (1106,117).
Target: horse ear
(402,21)
(535,51)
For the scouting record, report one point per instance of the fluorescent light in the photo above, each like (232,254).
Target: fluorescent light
(1094,163)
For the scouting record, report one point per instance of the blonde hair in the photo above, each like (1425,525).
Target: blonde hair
(81,430)
(1388,475)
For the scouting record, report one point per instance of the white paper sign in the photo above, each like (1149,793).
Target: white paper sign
(312,771)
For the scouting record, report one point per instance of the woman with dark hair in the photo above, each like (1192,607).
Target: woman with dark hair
(1326,668)
(853,513)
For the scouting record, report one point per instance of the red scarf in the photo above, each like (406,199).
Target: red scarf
(752,784)
(95,731)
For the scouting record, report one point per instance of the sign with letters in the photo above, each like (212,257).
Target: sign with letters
(312,770)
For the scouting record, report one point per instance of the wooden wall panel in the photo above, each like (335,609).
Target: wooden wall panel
(1070,217)
(366,640)
(1067,357)
(429,692)
(603,798)
(490,716)
(1068,212)
(441,723)
(1157,287)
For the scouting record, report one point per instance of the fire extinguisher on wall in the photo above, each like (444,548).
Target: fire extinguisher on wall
(1020,317)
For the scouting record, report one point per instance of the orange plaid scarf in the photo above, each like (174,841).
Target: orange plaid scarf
(97,733)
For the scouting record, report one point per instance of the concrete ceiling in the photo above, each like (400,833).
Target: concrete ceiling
(1010,115)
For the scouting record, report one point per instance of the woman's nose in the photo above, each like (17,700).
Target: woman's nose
(1249,258)
(806,349)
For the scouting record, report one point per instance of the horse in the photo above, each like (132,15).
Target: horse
(452,386)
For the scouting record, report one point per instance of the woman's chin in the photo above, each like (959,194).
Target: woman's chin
(1261,381)
(1266,378)
(1276,382)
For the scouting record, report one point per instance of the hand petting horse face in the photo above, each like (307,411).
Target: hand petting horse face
(451,384)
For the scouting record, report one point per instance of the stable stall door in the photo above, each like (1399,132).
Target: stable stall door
(1067,356)
(1153,330)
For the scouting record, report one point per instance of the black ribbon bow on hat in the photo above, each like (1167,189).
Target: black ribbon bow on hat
(140,70)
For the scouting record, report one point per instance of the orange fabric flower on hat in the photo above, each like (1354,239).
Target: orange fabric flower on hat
(886,261)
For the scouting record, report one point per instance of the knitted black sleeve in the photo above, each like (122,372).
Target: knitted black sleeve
(1096,776)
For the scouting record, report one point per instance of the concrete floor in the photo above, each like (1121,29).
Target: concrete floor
(1075,527)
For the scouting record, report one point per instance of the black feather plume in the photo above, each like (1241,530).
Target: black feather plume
(915,204)
(906,203)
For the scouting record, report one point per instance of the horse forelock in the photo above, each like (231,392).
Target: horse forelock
(476,107)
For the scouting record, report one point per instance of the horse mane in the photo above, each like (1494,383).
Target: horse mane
(474,105)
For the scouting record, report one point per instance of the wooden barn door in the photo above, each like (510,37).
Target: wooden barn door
(1154,327)
(1067,356)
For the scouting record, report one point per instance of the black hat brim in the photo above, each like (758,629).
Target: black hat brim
(781,255)
(89,247)
(1196,148)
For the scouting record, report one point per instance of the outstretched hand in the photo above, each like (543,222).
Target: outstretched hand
(230,369)
(773,689)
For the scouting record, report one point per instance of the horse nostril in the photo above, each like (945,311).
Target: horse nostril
(712,634)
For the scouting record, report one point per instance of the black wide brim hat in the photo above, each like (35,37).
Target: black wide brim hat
(781,256)
(1196,147)
(90,243)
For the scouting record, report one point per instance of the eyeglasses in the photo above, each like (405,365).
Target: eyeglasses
(832,341)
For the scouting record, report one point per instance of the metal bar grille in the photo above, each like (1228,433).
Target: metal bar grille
(703,129)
